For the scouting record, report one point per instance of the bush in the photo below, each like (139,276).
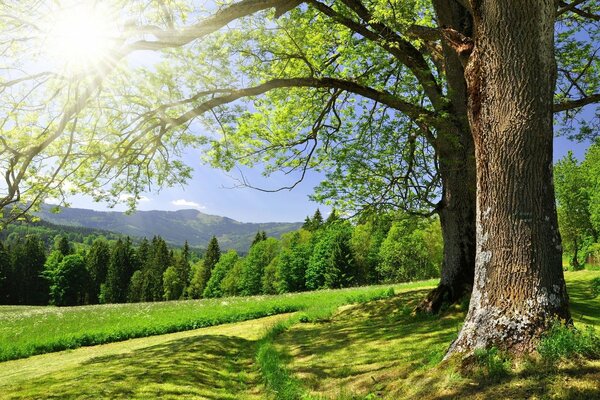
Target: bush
(565,342)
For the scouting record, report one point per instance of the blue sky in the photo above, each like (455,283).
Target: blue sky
(211,192)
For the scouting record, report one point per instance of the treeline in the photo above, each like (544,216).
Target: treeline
(577,185)
(323,254)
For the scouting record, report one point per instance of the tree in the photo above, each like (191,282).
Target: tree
(120,268)
(69,282)
(405,253)
(519,288)
(97,261)
(258,258)
(331,263)
(211,258)
(61,243)
(382,62)
(226,263)
(27,259)
(292,262)
(573,198)
(173,286)
(591,166)
(260,236)
(183,270)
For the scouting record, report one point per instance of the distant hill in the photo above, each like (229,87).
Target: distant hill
(174,226)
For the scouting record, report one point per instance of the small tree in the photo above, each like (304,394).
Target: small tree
(213,254)
(260,255)
(222,268)
(69,282)
(172,284)
(573,198)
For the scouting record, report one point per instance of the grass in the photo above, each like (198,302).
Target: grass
(380,350)
(26,331)
(366,350)
(208,363)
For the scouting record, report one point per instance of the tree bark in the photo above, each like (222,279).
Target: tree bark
(457,169)
(519,287)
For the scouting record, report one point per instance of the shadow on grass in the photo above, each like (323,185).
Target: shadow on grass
(208,367)
(584,307)
(368,345)
(380,350)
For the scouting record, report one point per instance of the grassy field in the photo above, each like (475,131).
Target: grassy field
(366,350)
(379,350)
(25,331)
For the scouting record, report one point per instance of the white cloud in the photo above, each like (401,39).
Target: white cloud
(187,203)
(126,197)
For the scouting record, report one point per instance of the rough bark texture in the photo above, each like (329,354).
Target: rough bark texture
(457,170)
(519,286)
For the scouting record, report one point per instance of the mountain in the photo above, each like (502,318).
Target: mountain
(174,226)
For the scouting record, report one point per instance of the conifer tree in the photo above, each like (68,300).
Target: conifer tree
(97,261)
(211,258)
(120,269)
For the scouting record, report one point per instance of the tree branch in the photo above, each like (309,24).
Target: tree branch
(571,104)
(413,111)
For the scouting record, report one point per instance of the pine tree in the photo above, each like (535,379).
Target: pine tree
(211,258)
(120,269)
(61,243)
(28,259)
(97,261)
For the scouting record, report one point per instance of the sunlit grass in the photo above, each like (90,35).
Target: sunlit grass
(34,330)
(381,350)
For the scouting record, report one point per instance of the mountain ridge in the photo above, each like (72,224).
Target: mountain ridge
(174,226)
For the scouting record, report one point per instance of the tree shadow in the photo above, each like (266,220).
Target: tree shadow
(208,366)
(367,345)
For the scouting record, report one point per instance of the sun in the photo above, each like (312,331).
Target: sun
(81,36)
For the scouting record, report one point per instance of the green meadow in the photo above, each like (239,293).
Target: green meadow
(359,343)
(26,331)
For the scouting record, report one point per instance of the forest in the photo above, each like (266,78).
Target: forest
(325,254)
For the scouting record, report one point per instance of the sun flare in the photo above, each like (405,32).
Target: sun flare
(82,36)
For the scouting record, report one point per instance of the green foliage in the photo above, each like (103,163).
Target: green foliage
(173,286)
(565,342)
(69,282)
(254,264)
(331,264)
(573,197)
(97,260)
(226,263)
(211,258)
(5,274)
(292,262)
(28,285)
(121,266)
(411,251)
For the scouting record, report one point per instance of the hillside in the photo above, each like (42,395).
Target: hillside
(174,226)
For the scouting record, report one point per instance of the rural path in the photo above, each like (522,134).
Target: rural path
(172,365)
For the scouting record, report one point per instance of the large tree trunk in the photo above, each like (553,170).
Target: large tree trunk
(457,169)
(519,285)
